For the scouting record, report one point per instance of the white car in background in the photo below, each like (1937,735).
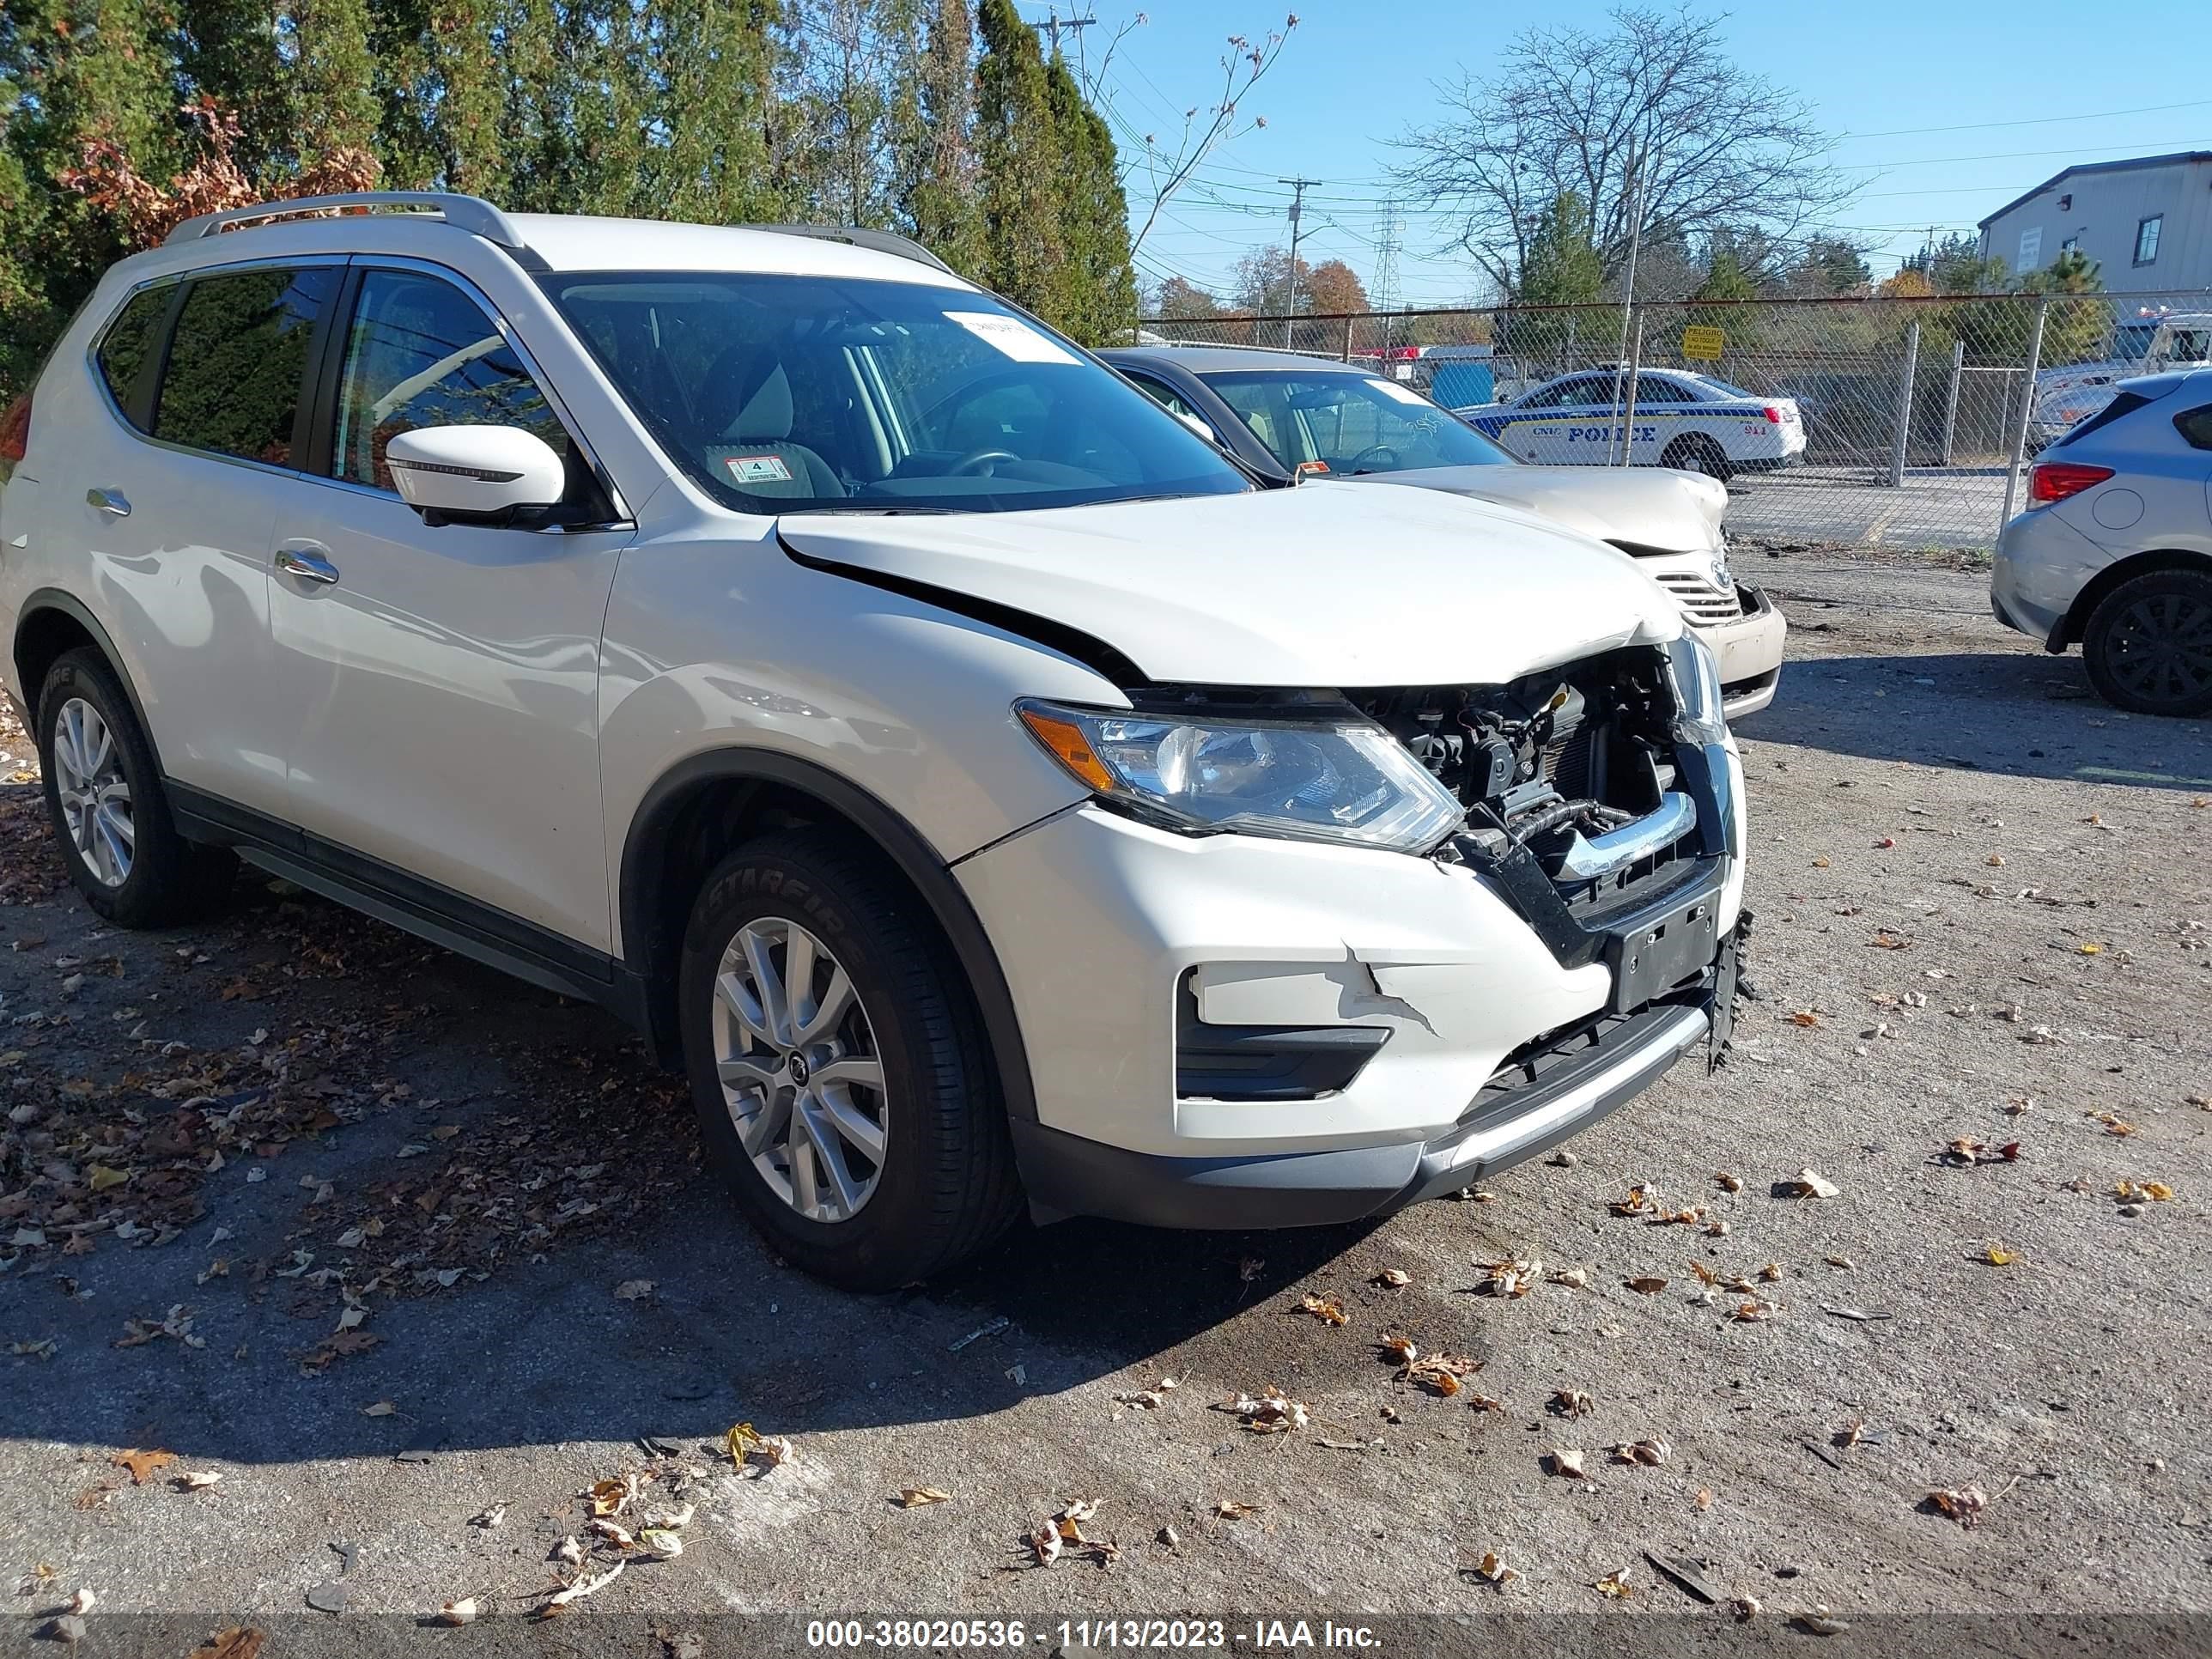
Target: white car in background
(2142,345)
(1334,421)
(1679,419)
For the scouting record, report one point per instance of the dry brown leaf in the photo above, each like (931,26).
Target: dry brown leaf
(1640,1200)
(1727,1181)
(1493,1570)
(1651,1453)
(1483,1402)
(382,1408)
(1573,1278)
(142,1464)
(1646,1284)
(1771,1273)
(634,1290)
(2000,1255)
(2142,1192)
(1614,1586)
(1572,1402)
(197,1479)
(1150,1399)
(584,1587)
(1327,1310)
(1395,1279)
(1843,1262)
(1965,1506)
(234,1642)
(1230,1510)
(1510,1279)
(1567,1461)
(660,1541)
(1703,1500)
(1755,1311)
(1401,1347)
(1271,1413)
(1811,1183)
(1705,1275)
(916,1498)
(1804,1016)
(457,1613)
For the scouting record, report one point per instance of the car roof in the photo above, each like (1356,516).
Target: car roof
(580,242)
(1225,360)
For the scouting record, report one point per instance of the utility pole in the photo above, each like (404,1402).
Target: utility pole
(1298,188)
(1628,306)
(1055,23)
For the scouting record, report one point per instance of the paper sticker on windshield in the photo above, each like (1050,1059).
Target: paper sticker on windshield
(1012,338)
(1392,389)
(759,469)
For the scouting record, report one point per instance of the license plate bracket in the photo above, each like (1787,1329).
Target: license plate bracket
(1653,957)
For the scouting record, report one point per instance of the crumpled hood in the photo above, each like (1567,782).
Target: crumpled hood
(1324,585)
(1656,508)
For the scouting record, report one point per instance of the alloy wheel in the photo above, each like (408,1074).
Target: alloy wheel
(800,1074)
(2160,648)
(95,795)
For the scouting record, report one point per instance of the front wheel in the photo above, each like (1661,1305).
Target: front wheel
(837,1066)
(2148,644)
(1697,454)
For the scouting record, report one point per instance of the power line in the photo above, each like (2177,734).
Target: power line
(1074,26)
(1298,188)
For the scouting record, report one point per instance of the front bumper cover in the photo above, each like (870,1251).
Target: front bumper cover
(1531,1106)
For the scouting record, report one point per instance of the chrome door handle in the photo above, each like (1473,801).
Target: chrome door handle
(307,565)
(111,502)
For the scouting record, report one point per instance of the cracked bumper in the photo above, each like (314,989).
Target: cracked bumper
(1111,931)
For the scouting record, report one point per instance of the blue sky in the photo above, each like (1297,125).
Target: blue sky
(2025,89)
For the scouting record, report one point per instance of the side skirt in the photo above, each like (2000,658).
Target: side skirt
(536,955)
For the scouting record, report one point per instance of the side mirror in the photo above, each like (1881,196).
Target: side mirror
(1198,425)
(475,474)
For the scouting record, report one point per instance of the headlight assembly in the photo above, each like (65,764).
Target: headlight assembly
(1344,779)
(1696,678)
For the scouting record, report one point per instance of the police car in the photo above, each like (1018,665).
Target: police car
(1679,419)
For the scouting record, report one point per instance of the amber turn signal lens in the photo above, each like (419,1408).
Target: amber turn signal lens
(1069,747)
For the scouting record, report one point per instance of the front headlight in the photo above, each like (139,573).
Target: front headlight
(1344,780)
(1696,678)
(1722,579)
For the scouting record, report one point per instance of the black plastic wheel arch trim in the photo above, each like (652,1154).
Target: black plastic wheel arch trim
(914,858)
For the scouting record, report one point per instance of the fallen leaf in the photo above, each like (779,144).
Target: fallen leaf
(1510,1279)
(1271,1413)
(634,1290)
(2142,1192)
(1753,1312)
(1999,1256)
(1614,1585)
(457,1613)
(1965,1506)
(1394,1278)
(1746,1608)
(237,1642)
(1493,1570)
(1573,1278)
(1804,1016)
(488,1518)
(1440,1373)
(100,1177)
(1703,1500)
(1571,1402)
(1771,1273)
(915,1498)
(197,1479)
(742,1438)
(1648,1452)
(610,1496)
(662,1541)
(382,1408)
(81,1603)
(584,1587)
(1230,1510)
(1843,1262)
(142,1464)
(1811,1183)
(1327,1310)
(1401,1347)
(1727,1181)
(1819,1622)
(1146,1399)
(2091,949)
(1646,1284)
(570,1551)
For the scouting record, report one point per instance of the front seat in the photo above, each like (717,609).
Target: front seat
(748,403)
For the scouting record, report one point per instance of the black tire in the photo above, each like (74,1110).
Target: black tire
(2148,644)
(170,879)
(1693,452)
(945,1186)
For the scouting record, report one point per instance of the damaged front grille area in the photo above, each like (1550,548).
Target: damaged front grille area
(1574,769)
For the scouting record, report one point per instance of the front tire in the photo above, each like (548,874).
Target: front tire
(104,797)
(2148,644)
(1698,454)
(837,1066)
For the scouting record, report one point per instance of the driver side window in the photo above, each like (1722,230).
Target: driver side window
(420,352)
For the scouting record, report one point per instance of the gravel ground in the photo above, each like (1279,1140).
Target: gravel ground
(388,1243)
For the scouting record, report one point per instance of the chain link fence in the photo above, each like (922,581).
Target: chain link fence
(1917,415)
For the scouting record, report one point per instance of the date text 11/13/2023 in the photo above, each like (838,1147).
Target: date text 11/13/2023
(1124,1635)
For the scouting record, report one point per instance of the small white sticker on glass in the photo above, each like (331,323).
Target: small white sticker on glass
(759,469)
(1393,390)
(1012,338)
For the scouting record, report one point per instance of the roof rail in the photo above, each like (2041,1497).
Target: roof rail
(467,213)
(882,241)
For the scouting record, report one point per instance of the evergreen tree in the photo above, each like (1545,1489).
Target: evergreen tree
(1098,288)
(333,73)
(228,50)
(1026,253)
(706,157)
(937,189)
(1562,266)
(1725,278)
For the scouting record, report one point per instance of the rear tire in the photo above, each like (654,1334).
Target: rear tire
(105,799)
(2148,644)
(849,1107)
(1698,453)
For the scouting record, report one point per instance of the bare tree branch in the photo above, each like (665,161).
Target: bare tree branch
(1656,102)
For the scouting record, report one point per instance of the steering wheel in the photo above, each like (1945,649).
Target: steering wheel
(978,461)
(1352,465)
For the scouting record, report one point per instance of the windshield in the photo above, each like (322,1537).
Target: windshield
(1723,387)
(799,394)
(1348,424)
(2132,340)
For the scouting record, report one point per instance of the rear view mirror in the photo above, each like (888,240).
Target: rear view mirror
(1196,424)
(475,474)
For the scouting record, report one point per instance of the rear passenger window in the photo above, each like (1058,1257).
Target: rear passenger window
(233,382)
(127,350)
(2195,426)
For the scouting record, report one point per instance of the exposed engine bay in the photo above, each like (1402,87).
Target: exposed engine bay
(1555,762)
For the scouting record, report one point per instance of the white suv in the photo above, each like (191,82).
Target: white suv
(980,786)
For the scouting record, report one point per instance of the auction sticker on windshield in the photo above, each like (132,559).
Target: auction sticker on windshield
(759,469)
(1012,337)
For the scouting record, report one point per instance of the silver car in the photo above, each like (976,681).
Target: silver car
(2114,552)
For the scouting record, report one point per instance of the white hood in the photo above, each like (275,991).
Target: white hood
(1324,585)
(1656,508)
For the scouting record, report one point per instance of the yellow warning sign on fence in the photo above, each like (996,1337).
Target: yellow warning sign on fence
(1700,343)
